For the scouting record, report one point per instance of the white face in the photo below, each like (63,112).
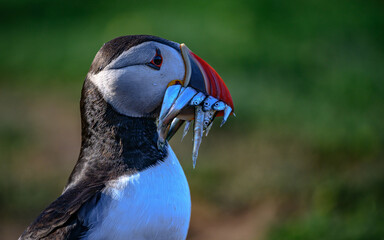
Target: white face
(131,86)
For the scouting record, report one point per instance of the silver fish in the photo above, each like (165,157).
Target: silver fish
(219,106)
(196,100)
(180,103)
(208,102)
(162,132)
(208,129)
(208,118)
(198,133)
(169,98)
(227,112)
(186,129)
(175,125)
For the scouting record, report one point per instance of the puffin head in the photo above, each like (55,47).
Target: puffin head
(148,76)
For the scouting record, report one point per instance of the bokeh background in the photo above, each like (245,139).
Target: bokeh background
(303,159)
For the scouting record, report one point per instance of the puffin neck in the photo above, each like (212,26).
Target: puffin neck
(110,136)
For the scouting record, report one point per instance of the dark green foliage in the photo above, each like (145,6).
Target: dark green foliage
(307,79)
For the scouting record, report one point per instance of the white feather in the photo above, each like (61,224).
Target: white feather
(152,204)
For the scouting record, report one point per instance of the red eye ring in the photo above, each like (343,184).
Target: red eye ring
(157,60)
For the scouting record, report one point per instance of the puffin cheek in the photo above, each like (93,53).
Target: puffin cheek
(147,96)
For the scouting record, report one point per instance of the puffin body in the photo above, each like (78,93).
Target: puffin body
(160,212)
(127,182)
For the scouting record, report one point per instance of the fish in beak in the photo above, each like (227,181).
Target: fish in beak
(200,97)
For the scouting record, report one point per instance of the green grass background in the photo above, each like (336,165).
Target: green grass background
(306,77)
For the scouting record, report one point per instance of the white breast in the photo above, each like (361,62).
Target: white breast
(152,204)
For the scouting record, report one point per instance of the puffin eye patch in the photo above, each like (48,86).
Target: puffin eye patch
(156,61)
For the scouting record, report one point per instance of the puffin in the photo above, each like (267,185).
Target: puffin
(127,182)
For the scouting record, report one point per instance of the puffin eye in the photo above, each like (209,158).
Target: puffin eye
(156,61)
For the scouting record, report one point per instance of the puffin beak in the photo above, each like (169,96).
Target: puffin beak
(204,78)
(200,96)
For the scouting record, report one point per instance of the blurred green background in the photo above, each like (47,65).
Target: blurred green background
(303,159)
